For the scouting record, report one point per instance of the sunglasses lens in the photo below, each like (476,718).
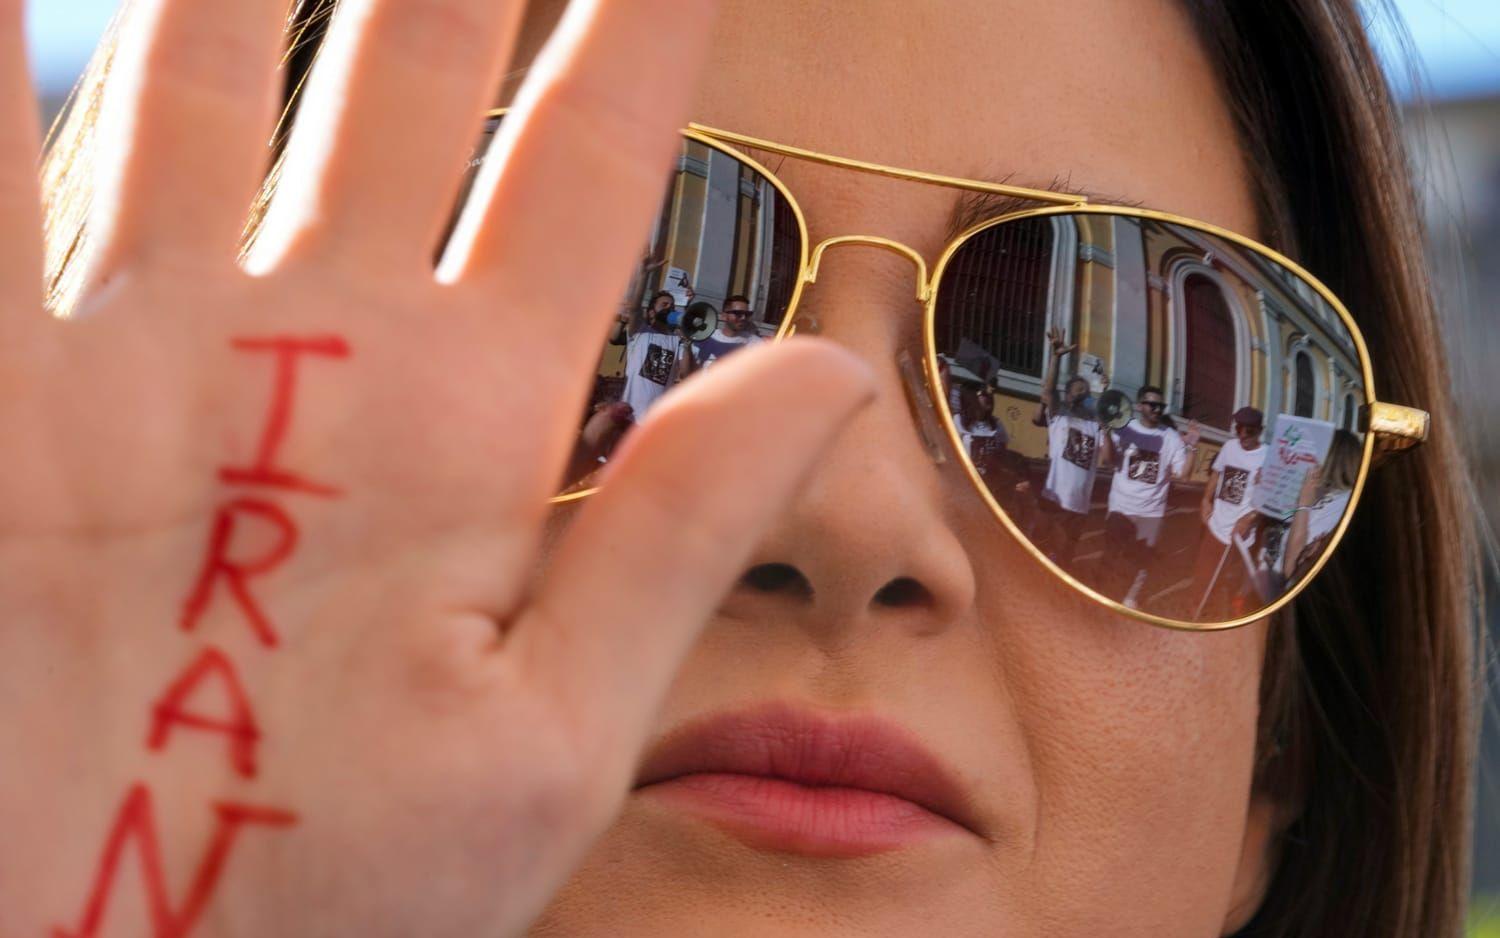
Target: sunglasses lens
(717,273)
(1200,443)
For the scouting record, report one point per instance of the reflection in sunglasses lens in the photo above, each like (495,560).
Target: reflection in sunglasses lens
(718,272)
(1213,497)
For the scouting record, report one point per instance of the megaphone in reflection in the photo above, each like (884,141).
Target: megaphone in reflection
(697,322)
(1115,408)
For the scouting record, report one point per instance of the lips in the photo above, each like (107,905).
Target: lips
(784,778)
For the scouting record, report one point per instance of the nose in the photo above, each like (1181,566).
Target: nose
(869,538)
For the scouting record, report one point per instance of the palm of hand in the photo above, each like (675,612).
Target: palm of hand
(379,561)
(271,601)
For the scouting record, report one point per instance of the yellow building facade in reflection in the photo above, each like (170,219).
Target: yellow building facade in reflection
(1214,326)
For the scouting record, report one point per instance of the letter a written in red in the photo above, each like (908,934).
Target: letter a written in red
(136,821)
(239,726)
(236,573)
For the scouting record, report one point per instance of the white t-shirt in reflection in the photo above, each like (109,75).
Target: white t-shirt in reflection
(720,344)
(1073,445)
(1149,458)
(650,359)
(1238,470)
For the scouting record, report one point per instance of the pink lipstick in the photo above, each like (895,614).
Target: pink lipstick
(784,778)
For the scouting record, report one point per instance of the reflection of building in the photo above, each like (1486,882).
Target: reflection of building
(726,229)
(1216,326)
(729,230)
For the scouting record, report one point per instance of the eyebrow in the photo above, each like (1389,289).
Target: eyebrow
(971,208)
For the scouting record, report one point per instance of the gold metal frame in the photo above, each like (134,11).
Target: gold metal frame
(1388,427)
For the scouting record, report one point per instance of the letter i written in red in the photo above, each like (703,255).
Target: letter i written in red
(288,352)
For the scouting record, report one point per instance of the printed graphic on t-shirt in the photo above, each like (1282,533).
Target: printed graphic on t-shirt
(1235,482)
(657,366)
(1080,448)
(1145,466)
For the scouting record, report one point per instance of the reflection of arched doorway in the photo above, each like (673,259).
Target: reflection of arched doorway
(1209,356)
(1306,387)
(995,292)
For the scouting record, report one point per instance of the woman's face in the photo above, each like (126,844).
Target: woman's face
(1108,762)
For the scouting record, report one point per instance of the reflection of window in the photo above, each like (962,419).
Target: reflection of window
(994,292)
(786,254)
(1305,390)
(1351,411)
(1208,384)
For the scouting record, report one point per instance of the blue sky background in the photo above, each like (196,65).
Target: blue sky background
(1458,41)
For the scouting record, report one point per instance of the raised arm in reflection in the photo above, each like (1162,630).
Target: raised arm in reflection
(1074,439)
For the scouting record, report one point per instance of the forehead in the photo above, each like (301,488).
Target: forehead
(1112,96)
(1115,96)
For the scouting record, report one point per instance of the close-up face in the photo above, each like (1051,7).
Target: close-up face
(1150,407)
(736,316)
(1098,768)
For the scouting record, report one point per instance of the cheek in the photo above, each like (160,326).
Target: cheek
(1141,743)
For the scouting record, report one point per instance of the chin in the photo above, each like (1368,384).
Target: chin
(660,871)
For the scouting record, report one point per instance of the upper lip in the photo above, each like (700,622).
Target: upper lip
(799,745)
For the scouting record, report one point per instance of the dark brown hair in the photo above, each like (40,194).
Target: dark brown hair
(1369,691)
(1369,694)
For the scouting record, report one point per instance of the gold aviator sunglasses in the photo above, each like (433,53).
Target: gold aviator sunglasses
(1171,417)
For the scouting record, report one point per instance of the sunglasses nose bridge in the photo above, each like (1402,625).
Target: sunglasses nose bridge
(924,288)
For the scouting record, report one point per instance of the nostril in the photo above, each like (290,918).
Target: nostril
(903,591)
(777,578)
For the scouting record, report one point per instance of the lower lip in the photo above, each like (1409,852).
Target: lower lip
(818,821)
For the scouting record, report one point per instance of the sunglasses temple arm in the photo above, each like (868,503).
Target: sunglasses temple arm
(929,424)
(1396,428)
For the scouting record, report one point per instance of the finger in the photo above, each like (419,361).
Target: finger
(189,108)
(580,164)
(604,640)
(20,201)
(394,104)
(567,192)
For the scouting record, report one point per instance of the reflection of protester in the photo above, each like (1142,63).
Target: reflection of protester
(969,381)
(654,354)
(1321,505)
(1147,455)
(1226,509)
(971,364)
(1073,448)
(736,330)
(983,436)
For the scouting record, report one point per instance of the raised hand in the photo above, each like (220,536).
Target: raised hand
(1058,342)
(282,652)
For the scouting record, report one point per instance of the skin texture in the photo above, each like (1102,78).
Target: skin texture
(464,678)
(1112,760)
(436,734)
